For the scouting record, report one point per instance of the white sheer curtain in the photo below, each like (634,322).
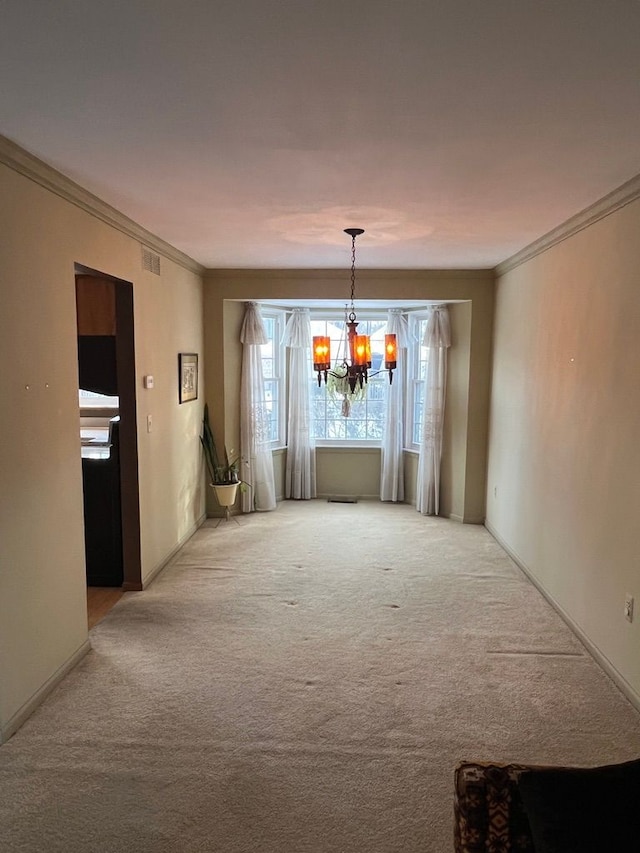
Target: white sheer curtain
(437,338)
(392,459)
(300,473)
(255,439)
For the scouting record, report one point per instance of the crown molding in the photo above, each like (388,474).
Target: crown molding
(16,158)
(618,198)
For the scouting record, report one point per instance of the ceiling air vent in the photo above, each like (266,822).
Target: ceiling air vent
(150,261)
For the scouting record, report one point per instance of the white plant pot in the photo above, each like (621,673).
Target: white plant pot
(225,494)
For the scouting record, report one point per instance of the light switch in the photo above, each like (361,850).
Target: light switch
(147,381)
(149,423)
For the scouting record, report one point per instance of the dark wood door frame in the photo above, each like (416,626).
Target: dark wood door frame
(126,377)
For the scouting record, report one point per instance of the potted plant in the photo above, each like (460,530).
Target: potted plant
(222,470)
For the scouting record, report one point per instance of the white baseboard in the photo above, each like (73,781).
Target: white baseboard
(23,713)
(601,659)
(153,574)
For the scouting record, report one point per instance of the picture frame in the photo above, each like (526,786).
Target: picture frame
(187,376)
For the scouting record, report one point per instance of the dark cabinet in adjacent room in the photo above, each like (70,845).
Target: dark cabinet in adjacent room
(102,512)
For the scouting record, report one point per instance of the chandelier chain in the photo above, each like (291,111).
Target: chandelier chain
(353,276)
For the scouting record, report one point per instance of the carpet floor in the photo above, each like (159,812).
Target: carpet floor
(305,681)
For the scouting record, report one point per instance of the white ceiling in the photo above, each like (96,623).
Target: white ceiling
(249,133)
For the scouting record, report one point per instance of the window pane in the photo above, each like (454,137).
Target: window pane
(356,429)
(418,365)
(351,429)
(374,430)
(269,323)
(366,418)
(375,411)
(271,355)
(418,397)
(271,395)
(318,410)
(267,366)
(336,428)
(318,428)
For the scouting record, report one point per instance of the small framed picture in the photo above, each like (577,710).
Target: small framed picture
(187,376)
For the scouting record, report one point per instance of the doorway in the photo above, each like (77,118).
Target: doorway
(107,411)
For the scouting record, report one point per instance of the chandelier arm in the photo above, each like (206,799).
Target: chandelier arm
(369,373)
(388,370)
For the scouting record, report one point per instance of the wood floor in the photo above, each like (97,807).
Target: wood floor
(100,600)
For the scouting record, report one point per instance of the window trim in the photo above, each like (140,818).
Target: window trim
(279,372)
(413,371)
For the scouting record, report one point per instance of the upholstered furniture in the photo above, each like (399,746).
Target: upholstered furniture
(500,808)
(488,812)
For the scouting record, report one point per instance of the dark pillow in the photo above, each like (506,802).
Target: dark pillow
(594,810)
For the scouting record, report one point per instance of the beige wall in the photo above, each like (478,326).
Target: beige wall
(563,485)
(348,471)
(455,489)
(343,472)
(43,621)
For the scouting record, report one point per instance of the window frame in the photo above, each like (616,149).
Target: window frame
(333,315)
(279,372)
(414,382)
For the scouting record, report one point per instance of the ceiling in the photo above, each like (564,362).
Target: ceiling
(249,133)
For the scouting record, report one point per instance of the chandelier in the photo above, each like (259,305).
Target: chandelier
(356,369)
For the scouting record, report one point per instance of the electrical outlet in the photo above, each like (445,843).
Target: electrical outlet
(628,607)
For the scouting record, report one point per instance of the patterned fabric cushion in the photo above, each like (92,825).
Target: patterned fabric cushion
(489,814)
